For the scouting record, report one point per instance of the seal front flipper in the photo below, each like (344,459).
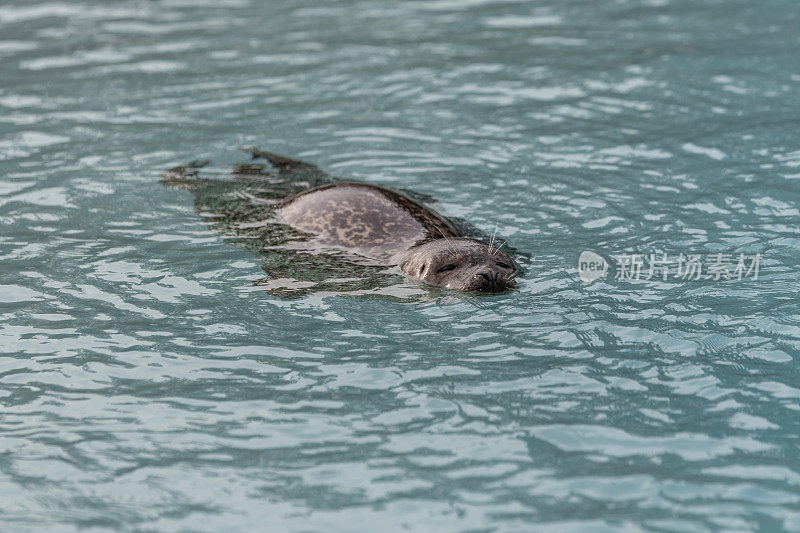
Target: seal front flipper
(294,170)
(280,162)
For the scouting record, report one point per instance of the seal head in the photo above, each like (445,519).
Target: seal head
(462,264)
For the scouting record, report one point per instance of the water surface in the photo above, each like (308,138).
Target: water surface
(147,384)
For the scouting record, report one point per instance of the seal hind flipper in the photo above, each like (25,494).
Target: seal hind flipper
(184,176)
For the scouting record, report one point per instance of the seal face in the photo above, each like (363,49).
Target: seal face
(315,232)
(461,264)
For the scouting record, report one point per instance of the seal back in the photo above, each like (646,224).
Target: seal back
(366,219)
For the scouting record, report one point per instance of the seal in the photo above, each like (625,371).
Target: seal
(369,224)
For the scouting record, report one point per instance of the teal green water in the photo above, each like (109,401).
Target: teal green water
(146,384)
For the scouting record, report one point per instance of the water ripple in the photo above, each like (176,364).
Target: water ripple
(147,384)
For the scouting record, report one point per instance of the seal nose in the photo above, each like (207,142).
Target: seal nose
(490,280)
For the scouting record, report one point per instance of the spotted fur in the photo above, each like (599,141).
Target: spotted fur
(366,219)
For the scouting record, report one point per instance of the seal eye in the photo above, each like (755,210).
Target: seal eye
(446,268)
(422,269)
(503,265)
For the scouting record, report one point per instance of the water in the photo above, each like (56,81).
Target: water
(147,384)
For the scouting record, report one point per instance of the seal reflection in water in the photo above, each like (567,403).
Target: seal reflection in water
(379,226)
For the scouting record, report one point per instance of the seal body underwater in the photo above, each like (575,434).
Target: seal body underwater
(385,227)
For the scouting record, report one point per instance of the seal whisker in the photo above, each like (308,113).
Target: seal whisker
(447,240)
